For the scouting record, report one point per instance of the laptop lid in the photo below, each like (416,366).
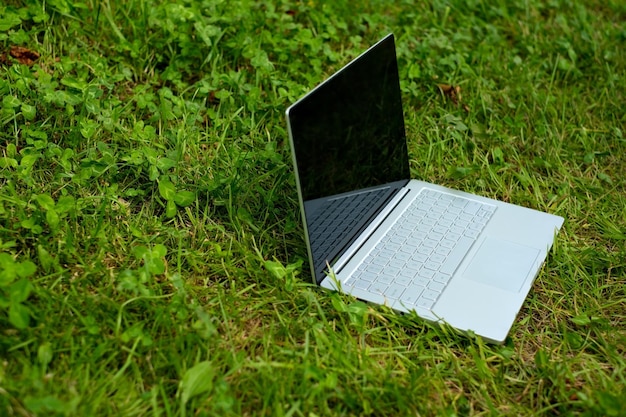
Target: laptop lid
(347,136)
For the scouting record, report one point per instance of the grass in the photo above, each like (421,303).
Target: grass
(151,258)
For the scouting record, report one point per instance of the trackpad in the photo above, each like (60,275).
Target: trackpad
(501,264)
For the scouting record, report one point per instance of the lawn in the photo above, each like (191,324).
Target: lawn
(151,252)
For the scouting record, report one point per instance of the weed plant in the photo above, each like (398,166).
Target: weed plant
(151,252)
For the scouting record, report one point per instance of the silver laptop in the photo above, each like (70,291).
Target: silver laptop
(374,233)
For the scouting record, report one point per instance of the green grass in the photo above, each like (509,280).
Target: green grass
(151,258)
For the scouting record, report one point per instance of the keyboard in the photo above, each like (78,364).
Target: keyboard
(415,260)
(329,224)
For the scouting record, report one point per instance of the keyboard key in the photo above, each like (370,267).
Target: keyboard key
(430,243)
(379,260)
(484,213)
(441,277)
(391,271)
(402,256)
(420,213)
(419,257)
(455,210)
(408,219)
(472,207)
(476,226)
(418,235)
(430,294)
(438,209)
(433,215)
(428,221)
(359,283)
(432,266)
(442,250)
(392,247)
(403,233)
(456,229)
(424,250)
(425,303)
(436,258)
(408,248)
(459,203)
(410,272)
(448,244)
(448,217)
(384,279)
(411,295)
(422,281)
(436,286)
(396,263)
(403,280)
(446,197)
(466,217)
(479,220)
(368,276)
(395,291)
(439,228)
(429,269)
(377,288)
(461,223)
(435,235)
(375,269)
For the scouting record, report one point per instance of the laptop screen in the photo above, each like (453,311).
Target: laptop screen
(348,133)
(349,146)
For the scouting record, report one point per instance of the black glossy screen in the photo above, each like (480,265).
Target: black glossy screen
(348,133)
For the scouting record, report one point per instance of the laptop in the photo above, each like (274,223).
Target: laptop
(373,232)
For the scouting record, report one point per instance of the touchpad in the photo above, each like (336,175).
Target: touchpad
(501,264)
